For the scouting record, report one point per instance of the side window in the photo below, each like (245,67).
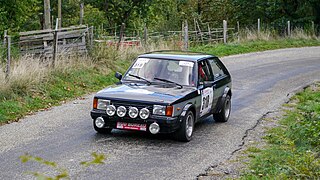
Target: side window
(204,72)
(216,68)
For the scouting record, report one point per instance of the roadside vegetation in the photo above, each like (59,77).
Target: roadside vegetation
(61,173)
(252,41)
(293,147)
(34,85)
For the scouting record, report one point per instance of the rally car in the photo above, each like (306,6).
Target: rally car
(165,92)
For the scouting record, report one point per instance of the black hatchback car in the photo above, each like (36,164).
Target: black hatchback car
(165,92)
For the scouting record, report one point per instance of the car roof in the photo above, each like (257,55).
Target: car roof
(177,55)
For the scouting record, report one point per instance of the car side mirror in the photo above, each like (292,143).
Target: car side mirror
(118,75)
(208,84)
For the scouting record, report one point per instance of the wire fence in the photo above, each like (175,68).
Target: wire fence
(78,40)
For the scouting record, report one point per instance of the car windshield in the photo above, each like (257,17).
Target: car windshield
(180,72)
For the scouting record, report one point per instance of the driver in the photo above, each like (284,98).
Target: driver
(151,70)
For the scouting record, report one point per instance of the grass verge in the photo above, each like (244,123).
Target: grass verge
(293,148)
(29,90)
(61,86)
(254,46)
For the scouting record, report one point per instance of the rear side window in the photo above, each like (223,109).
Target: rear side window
(217,69)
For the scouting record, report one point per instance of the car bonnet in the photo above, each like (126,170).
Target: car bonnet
(153,94)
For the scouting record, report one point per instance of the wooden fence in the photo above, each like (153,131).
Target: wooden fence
(65,40)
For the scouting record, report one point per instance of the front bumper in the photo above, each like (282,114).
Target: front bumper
(167,124)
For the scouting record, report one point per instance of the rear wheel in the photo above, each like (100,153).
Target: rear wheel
(224,113)
(186,130)
(101,130)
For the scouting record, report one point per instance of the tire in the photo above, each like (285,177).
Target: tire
(224,114)
(102,130)
(185,132)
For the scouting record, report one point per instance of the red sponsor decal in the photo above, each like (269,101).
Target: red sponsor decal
(132,126)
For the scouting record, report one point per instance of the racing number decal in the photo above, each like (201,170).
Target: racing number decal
(206,101)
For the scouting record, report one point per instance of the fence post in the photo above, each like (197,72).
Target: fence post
(199,31)
(182,31)
(4,36)
(186,37)
(289,28)
(209,33)
(121,35)
(225,29)
(8,42)
(47,23)
(91,36)
(55,43)
(81,13)
(145,35)
(59,13)
(312,27)
(258,26)
(238,28)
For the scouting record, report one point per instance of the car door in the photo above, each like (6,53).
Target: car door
(218,76)
(206,92)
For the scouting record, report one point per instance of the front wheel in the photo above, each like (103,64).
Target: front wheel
(224,113)
(186,130)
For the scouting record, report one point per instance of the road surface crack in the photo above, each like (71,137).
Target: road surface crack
(243,141)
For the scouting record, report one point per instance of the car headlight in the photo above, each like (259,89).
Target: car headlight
(159,110)
(111,110)
(144,113)
(121,111)
(133,112)
(102,104)
(163,110)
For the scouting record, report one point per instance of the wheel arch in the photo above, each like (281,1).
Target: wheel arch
(226,92)
(189,107)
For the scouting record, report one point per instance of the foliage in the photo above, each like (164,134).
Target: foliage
(93,16)
(19,15)
(160,15)
(306,120)
(62,173)
(121,11)
(293,148)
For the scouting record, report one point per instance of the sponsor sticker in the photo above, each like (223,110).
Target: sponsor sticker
(132,126)
(140,63)
(186,63)
(140,91)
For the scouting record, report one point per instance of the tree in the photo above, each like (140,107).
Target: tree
(18,15)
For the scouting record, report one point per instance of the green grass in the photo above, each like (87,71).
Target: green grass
(25,98)
(293,150)
(254,46)
(61,86)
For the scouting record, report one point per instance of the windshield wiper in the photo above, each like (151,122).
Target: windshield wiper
(138,77)
(168,81)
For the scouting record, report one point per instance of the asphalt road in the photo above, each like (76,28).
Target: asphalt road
(261,83)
